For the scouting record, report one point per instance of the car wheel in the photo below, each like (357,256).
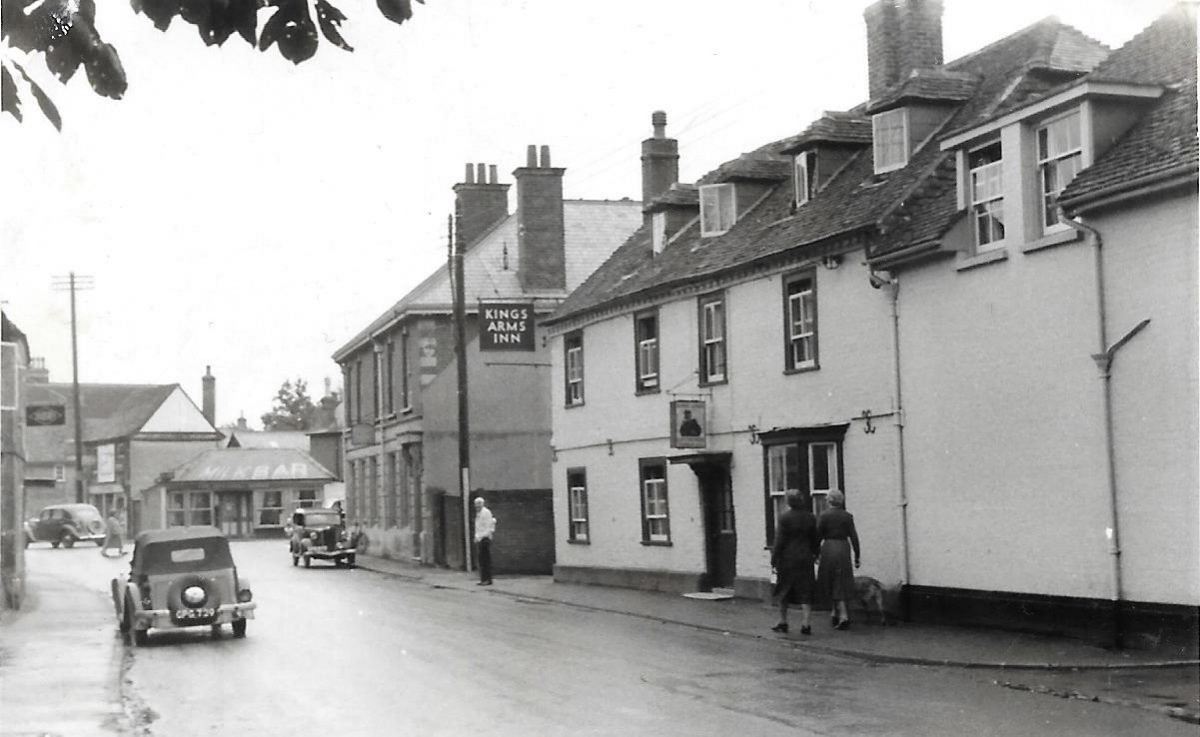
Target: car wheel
(54,543)
(239,627)
(308,561)
(99,543)
(67,540)
(350,560)
(126,621)
(141,637)
(295,560)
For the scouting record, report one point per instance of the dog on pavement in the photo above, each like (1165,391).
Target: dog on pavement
(870,595)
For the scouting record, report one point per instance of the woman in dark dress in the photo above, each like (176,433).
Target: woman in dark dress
(835,576)
(792,558)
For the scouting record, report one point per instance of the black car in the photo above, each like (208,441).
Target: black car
(65,524)
(321,534)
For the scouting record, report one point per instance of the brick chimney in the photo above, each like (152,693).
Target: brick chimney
(208,401)
(480,201)
(902,35)
(660,161)
(541,250)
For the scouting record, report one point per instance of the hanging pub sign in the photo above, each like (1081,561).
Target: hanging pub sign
(689,424)
(506,326)
(43,415)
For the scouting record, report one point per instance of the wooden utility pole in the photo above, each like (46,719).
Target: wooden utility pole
(460,355)
(75,283)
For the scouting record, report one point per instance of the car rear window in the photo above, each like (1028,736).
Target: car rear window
(179,556)
(319,520)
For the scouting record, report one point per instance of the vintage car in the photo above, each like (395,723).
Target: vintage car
(65,524)
(321,534)
(181,577)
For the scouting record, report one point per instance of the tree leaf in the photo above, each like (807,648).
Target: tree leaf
(63,58)
(331,19)
(397,11)
(43,100)
(292,29)
(9,102)
(160,12)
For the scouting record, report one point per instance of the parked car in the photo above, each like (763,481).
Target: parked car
(66,524)
(181,577)
(321,534)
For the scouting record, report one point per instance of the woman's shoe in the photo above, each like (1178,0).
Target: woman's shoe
(843,625)
(781,627)
(806,630)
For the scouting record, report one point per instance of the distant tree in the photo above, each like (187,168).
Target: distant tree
(65,32)
(292,408)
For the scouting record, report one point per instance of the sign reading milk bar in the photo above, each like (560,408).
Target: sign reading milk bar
(504,326)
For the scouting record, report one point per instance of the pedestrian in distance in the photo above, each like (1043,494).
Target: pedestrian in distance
(792,557)
(485,529)
(835,576)
(114,534)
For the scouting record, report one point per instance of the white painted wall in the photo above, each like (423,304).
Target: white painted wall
(177,413)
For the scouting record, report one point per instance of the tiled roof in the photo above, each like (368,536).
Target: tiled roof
(896,210)
(1164,141)
(678,195)
(251,464)
(109,410)
(297,439)
(935,85)
(490,265)
(832,127)
(756,166)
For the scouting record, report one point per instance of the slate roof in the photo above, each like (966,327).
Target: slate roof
(109,410)
(491,263)
(893,211)
(251,464)
(297,439)
(1164,141)
(677,195)
(835,127)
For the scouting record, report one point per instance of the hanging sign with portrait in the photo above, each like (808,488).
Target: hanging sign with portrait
(689,424)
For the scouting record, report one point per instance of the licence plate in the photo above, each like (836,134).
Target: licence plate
(185,614)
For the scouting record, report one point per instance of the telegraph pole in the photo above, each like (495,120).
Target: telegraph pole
(460,354)
(75,283)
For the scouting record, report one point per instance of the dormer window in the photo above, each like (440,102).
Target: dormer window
(658,231)
(718,209)
(987,195)
(804,170)
(890,135)
(1060,157)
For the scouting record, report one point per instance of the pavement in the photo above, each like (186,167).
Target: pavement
(1161,680)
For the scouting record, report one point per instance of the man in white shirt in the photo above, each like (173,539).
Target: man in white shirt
(485,528)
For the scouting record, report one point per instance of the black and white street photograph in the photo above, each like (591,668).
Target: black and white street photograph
(527,367)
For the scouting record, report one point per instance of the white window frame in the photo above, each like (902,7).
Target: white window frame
(647,352)
(712,340)
(803,176)
(264,507)
(820,496)
(718,209)
(577,505)
(60,473)
(656,511)
(988,201)
(573,367)
(1046,198)
(777,478)
(802,323)
(658,231)
(890,154)
(185,503)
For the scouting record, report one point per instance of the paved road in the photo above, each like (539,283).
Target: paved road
(360,653)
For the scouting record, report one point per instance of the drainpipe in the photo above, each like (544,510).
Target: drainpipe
(1104,361)
(878,279)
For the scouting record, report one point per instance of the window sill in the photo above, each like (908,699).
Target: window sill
(579,542)
(714,382)
(647,390)
(1053,239)
(982,259)
(576,405)
(657,543)
(802,369)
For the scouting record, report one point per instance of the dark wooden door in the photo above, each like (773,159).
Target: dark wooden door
(719,525)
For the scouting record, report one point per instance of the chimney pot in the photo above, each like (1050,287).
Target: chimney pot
(469,177)
(531,157)
(481,173)
(659,120)
(492,177)
(545,157)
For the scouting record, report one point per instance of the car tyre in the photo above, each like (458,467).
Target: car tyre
(67,540)
(54,543)
(350,560)
(99,543)
(126,622)
(295,560)
(141,637)
(239,627)
(308,561)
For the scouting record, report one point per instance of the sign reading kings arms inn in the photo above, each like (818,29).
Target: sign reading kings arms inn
(505,326)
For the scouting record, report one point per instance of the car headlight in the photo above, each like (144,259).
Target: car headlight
(244,595)
(313,535)
(194,596)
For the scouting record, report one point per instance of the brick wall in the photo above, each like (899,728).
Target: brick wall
(540,240)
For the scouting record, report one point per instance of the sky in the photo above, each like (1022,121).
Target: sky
(237,211)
